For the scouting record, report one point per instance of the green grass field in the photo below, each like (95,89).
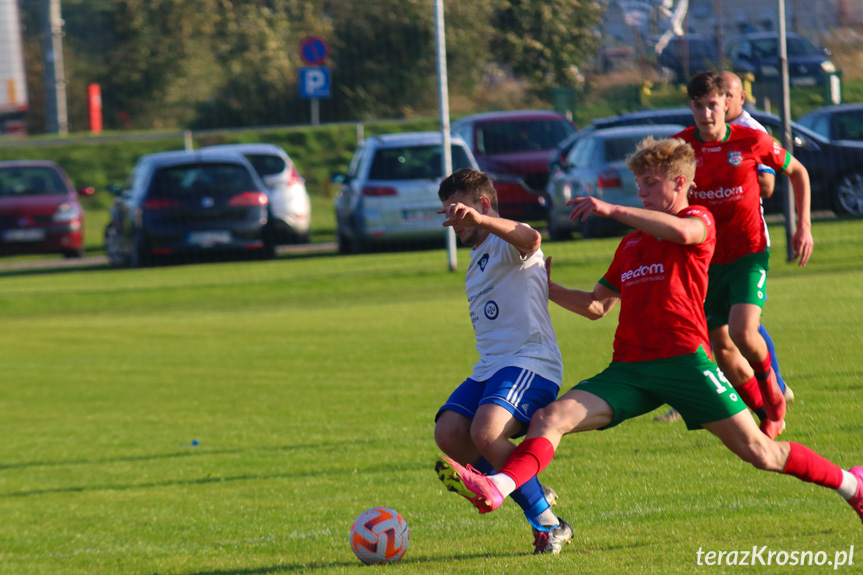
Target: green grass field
(310,385)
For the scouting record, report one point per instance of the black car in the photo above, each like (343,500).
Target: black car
(758,53)
(686,55)
(188,204)
(835,167)
(843,122)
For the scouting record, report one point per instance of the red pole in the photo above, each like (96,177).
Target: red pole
(94,93)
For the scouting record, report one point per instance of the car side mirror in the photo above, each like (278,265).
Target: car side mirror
(114,189)
(338,178)
(827,51)
(86,191)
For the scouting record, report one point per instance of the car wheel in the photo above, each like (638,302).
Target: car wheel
(848,197)
(558,233)
(112,246)
(140,256)
(592,227)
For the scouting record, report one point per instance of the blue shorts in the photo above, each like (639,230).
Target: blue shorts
(519,391)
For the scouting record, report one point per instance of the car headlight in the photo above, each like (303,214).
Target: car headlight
(66,212)
(828,67)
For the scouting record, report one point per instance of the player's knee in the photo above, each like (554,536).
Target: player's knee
(744,337)
(449,437)
(761,455)
(546,419)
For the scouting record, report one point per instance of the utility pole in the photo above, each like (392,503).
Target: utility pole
(719,28)
(56,119)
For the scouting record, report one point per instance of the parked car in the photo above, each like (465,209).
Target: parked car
(389,195)
(181,204)
(758,53)
(596,166)
(835,167)
(514,148)
(289,207)
(39,210)
(684,56)
(843,122)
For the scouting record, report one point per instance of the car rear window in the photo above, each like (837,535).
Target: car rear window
(266,164)
(616,149)
(195,180)
(414,163)
(521,136)
(31,181)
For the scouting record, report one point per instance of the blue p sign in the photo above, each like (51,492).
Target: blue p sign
(315,82)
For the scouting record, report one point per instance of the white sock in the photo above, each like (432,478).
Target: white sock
(849,485)
(504,483)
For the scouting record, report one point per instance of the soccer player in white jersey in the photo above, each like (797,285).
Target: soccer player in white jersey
(520,368)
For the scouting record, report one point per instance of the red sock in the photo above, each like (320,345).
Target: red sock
(761,369)
(529,458)
(750,394)
(805,464)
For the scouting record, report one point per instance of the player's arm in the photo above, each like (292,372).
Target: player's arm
(523,237)
(802,242)
(592,305)
(766,180)
(687,231)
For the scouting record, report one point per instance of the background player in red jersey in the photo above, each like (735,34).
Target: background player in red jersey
(726,183)
(659,276)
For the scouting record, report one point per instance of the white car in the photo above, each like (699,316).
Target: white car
(389,197)
(290,209)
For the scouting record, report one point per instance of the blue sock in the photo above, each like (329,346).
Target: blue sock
(529,496)
(774,362)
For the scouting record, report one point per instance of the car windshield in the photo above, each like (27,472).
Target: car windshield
(769,48)
(521,136)
(31,181)
(195,180)
(414,163)
(266,164)
(617,148)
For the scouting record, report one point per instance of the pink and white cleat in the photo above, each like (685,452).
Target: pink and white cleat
(857,501)
(469,483)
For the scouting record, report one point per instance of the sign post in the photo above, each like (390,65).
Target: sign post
(314,79)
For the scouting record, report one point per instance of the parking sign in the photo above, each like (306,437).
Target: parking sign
(315,82)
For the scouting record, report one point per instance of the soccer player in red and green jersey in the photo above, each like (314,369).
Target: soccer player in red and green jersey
(659,276)
(726,183)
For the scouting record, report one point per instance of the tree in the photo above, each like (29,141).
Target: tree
(546,41)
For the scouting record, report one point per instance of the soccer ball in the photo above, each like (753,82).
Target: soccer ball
(379,535)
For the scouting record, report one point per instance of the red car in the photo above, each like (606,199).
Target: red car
(514,148)
(39,210)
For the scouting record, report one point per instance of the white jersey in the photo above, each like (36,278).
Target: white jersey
(745,119)
(508,301)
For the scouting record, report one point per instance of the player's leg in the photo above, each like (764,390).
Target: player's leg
(743,323)
(747,292)
(453,422)
(774,363)
(576,410)
(740,434)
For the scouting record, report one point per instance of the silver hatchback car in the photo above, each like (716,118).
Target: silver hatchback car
(290,208)
(389,197)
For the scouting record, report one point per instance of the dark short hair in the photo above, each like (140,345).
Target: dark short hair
(706,83)
(473,183)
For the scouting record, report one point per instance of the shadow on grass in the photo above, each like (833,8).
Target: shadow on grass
(325,566)
(384,469)
(191,452)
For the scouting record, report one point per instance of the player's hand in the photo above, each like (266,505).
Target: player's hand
(461,215)
(583,207)
(802,243)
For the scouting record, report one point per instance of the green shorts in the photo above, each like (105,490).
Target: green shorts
(741,281)
(691,383)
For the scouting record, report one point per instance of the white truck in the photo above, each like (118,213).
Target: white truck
(13,79)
